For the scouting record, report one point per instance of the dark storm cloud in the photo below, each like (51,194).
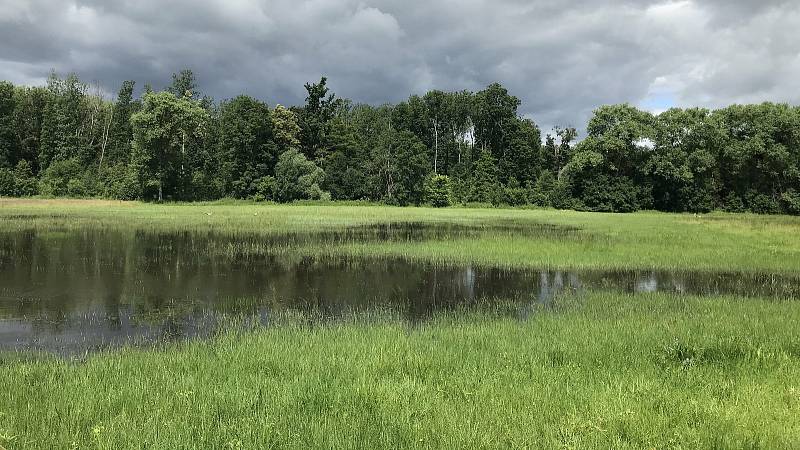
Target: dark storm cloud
(562,58)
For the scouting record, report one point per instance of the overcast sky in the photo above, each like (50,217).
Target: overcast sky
(562,58)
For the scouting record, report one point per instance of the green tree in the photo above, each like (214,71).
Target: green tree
(541,193)
(607,169)
(184,84)
(484,183)
(28,117)
(436,103)
(297,178)
(121,130)
(25,183)
(246,147)
(313,118)
(62,178)
(166,131)
(520,157)
(286,130)
(682,165)
(412,115)
(438,191)
(495,111)
(345,163)
(514,194)
(9,151)
(18,182)
(403,165)
(64,128)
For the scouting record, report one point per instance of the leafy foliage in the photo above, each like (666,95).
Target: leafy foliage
(297,178)
(180,145)
(438,191)
(166,132)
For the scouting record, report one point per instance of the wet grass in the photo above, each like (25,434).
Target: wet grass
(598,371)
(509,237)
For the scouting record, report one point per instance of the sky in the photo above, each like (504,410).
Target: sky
(562,58)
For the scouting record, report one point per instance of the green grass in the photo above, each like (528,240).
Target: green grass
(600,371)
(646,240)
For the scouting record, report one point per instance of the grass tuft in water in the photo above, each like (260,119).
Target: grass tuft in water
(595,371)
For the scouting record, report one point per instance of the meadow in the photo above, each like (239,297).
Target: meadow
(603,369)
(644,240)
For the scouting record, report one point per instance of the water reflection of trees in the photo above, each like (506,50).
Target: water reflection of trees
(151,282)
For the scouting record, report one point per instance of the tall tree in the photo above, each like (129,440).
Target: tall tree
(9,149)
(184,84)
(484,183)
(121,131)
(28,117)
(345,164)
(165,131)
(681,163)
(607,170)
(495,111)
(313,118)
(436,103)
(286,129)
(64,131)
(403,165)
(246,147)
(520,157)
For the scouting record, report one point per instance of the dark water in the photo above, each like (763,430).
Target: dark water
(71,292)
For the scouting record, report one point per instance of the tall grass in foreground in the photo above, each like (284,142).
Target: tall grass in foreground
(598,371)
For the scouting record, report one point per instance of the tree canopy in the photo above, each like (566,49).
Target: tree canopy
(439,148)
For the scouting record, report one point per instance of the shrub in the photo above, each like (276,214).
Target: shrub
(762,204)
(733,203)
(205,186)
(55,179)
(121,182)
(438,191)
(7,185)
(19,182)
(297,178)
(698,200)
(514,194)
(264,188)
(76,188)
(561,196)
(24,180)
(540,191)
(790,201)
(606,193)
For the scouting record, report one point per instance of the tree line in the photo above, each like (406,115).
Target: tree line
(441,148)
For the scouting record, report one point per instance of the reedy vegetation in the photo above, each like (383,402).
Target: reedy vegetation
(439,148)
(644,240)
(602,371)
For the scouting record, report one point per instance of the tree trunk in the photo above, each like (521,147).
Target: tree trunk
(105,139)
(436,147)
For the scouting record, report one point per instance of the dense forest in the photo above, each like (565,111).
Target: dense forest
(442,148)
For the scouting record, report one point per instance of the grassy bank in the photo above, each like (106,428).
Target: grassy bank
(601,371)
(729,242)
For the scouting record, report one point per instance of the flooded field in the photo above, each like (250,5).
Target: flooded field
(76,291)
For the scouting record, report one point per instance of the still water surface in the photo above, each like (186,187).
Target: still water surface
(76,291)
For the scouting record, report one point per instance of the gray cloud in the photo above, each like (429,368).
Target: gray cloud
(562,58)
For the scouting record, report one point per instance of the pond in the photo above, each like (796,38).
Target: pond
(75,291)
